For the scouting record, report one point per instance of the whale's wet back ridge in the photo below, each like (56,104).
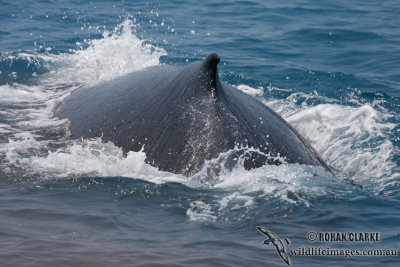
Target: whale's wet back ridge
(182,117)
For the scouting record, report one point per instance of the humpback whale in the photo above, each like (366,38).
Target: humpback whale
(181,117)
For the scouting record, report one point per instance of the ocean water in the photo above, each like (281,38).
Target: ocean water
(331,69)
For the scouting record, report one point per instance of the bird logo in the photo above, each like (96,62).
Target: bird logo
(273,239)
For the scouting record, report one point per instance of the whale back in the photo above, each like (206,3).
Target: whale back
(182,117)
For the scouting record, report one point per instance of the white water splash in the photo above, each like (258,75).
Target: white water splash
(117,53)
(259,91)
(92,157)
(201,212)
(354,140)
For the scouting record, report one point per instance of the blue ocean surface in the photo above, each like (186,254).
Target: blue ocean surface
(330,68)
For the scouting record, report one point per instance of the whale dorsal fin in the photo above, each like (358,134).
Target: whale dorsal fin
(209,68)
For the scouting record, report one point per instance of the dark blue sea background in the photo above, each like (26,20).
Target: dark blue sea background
(330,68)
